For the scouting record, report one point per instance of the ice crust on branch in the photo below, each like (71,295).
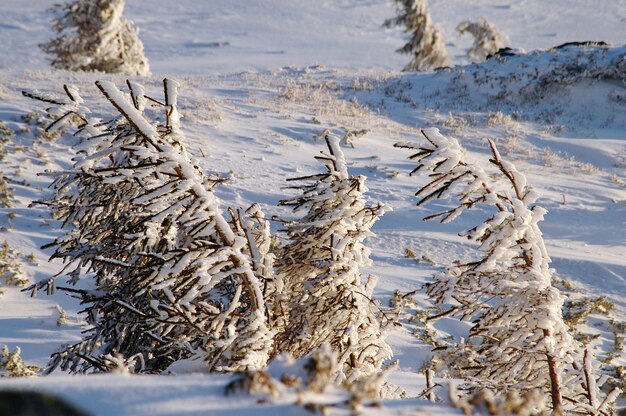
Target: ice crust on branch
(93,36)
(518,339)
(326,300)
(173,280)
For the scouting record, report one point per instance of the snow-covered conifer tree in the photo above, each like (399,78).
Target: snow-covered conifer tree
(427,43)
(518,339)
(487,38)
(326,299)
(93,36)
(173,280)
(13,364)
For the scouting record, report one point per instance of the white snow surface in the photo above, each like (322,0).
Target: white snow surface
(260,81)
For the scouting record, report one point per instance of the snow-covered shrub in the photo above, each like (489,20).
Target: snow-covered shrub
(594,321)
(93,36)
(6,193)
(59,315)
(5,131)
(427,44)
(172,279)
(308,382)
(518,339)
(484,402)
(11,273)
(322,293)
(487,38)
(13,364)
(313,373)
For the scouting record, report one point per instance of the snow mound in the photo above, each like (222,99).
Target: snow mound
(538,74)
(572,81)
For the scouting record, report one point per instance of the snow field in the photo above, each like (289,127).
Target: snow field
(258,90)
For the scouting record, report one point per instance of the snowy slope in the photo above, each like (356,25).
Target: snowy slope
(191,37)
(261,80)
(194,395)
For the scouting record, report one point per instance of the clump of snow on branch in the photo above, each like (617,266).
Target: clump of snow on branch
(173,279)
(326,299)
(426,45)
(93,36)
(518,338)
(487,38)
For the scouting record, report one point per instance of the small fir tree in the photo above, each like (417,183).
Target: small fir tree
(11,273)
(93,36)
(427,44)
(518,339)
(173,280)
(12,364)
(325,298)
(487,38)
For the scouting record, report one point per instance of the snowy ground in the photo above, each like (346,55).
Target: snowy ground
(260,80)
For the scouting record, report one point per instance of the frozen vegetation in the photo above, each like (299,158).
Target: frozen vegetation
(241,232)
(93,36)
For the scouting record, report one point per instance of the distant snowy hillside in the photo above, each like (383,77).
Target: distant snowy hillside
(191,37)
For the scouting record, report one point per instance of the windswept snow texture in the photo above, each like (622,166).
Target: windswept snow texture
(261,81)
